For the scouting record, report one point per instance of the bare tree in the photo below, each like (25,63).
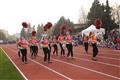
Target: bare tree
(83,15)
(116,13)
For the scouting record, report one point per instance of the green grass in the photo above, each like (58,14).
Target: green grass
(7,69)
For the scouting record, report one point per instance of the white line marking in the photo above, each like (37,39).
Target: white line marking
(47,68)
(15,65)
(110,54)
(97,62)
(50,69)
(101,57)
(87,69)
(117,50)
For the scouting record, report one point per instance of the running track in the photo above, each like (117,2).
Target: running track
(80,68)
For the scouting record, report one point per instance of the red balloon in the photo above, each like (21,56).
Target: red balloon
(33,33)
(24,24)
(98,23)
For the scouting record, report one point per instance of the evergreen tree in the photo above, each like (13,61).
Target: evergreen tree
(23,33)
(39,31)
(103,12)
(29,31)
(95,12)
(108,24)
(61,21)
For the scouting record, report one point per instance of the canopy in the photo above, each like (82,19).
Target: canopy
(92,28)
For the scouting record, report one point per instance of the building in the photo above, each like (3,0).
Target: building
(5,32)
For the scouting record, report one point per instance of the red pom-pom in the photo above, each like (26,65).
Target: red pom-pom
(24,24)
(118,40)
(33,33)
(70,30)
(63,28)
(45,29)
(47,26)
(98,23)
(57,36)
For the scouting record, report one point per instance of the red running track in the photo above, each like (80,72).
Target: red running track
(80,68)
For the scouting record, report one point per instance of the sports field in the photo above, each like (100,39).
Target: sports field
(80,68)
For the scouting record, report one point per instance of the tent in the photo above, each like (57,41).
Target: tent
(98,32)
(92,28)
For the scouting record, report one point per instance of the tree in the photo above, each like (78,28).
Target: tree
(23,33)
(29,31)
(39,31)
(116,13)
(83,16)
(103,12)
(61,21)
(95,12)
(109,23)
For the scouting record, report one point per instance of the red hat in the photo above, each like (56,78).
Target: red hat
(24,24)
(98,23)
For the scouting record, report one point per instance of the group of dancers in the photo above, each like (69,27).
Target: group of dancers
(46,43)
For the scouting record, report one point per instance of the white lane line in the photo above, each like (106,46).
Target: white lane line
(15,65)
(87,69)
(101,57)
(112,54)
(50,69)
(47,68)
(97,62)
(117,50)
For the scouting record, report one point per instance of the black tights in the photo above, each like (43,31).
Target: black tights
(70,49)
(86,46)
(62,50)
(95,49)
(46,53)
(55,49)
(24,55)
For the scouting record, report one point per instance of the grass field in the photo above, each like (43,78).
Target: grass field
(7,69)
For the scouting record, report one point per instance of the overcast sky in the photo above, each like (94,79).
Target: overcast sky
(14,12)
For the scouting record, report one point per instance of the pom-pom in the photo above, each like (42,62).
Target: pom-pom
(70,30)
(118,40)
(33,33)
(98,23)
(57,36)
(24,24)
(47,26)
(63,28)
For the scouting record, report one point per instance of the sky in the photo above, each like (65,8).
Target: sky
(14,12)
